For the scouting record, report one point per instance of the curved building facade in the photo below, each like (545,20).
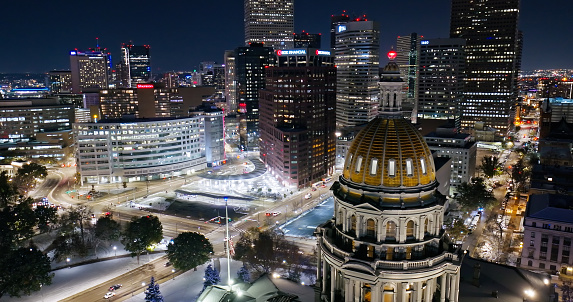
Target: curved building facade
(385,242)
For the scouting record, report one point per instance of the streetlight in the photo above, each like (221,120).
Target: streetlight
(115,249)
(68,261)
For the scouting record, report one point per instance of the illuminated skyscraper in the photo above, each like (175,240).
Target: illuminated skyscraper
(297,129)
(306,40)
(270,22)
(230,82)
(334,22)
(493,49)
(357,55)
(137,64)
(90,69)
(60,81)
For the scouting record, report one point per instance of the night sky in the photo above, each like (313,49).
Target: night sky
(38,35)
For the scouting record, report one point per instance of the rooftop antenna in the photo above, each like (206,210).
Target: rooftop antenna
(97,43)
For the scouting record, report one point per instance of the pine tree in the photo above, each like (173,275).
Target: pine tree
(152,293)
(244,274)
(211,276)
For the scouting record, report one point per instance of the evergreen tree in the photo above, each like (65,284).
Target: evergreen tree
(244,274)
(211,276)
(152,293)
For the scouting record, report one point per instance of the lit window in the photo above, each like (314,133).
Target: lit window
(358,163)
(423,165)
(391,167)
(349,162)
(409,168)
(373,166)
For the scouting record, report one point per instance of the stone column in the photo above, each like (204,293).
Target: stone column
(359,225)
(452,291)
(357,291)
(378,230)
(324,272)
(403,293)
(319,263)
(402,230)
(332,283)
(457,287)
(421,227)
(383,231)
(419,292)
(429,290)
(375,293)
(347,290)
(443,288)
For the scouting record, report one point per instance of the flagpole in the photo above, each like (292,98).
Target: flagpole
(228,244)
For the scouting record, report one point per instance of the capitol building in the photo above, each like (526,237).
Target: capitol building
(386,242)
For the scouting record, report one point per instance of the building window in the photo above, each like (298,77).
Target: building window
(371,228)
(391,230)
(391,167)
(423,165)
(409,167)
(373,166)
(349,161)
(358,164)
(534,224)
(410,229)
(532,234)
(353,224)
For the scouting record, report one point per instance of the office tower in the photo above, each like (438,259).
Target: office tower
(270,22)
(408,54)
(90,69)
(334,22)
(230,82)
(386,242)
(250,64)
(441,79)
(306,40)
(357,52)
(297,129)
(137,63)
(493,50)
(60,81)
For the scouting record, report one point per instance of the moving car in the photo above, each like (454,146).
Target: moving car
(114,287)
(109,295)
(308,196)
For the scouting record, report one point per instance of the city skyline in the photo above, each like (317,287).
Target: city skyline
(183,36)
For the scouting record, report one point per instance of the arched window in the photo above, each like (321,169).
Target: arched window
(340,217)
(358,164)
(370,228)
(391,167)
(409,167)
(349,161)
(410,229)
(353,223)
(391,230)
(423,165)
(373,166)
(426,226)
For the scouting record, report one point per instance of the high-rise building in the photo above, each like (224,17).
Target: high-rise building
(306,40)
(297,129)
(90,69)
(357,55)
(230,82)
(270,22)
(408,58)
(334,22)
(386,242)
(441,79)
(493,50)
(60,81)
(137,63)
(250,65)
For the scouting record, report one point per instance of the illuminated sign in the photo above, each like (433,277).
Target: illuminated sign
(341,28)
(72,53)
(392,55)
(425,42)
(291,52)
(322,52)
(145,86)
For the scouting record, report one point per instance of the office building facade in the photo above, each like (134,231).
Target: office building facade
(270,22)
(60,81)
(230,82)
(357,56)
(297,130)
(125,150)
(336,20)
(90,69)
(250,65)
(493,60)
(441,78)
(306,40)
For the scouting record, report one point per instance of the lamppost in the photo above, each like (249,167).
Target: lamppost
(68,261)
(115,250)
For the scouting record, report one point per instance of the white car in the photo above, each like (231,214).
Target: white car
(109,295)
(308,196)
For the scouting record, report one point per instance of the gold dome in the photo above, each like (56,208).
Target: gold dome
(390,153)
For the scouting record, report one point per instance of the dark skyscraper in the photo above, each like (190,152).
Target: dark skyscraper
(250,65)
(408,56)
(334,22)
(306,40)
(297,129)
(137,63)
(493,49)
